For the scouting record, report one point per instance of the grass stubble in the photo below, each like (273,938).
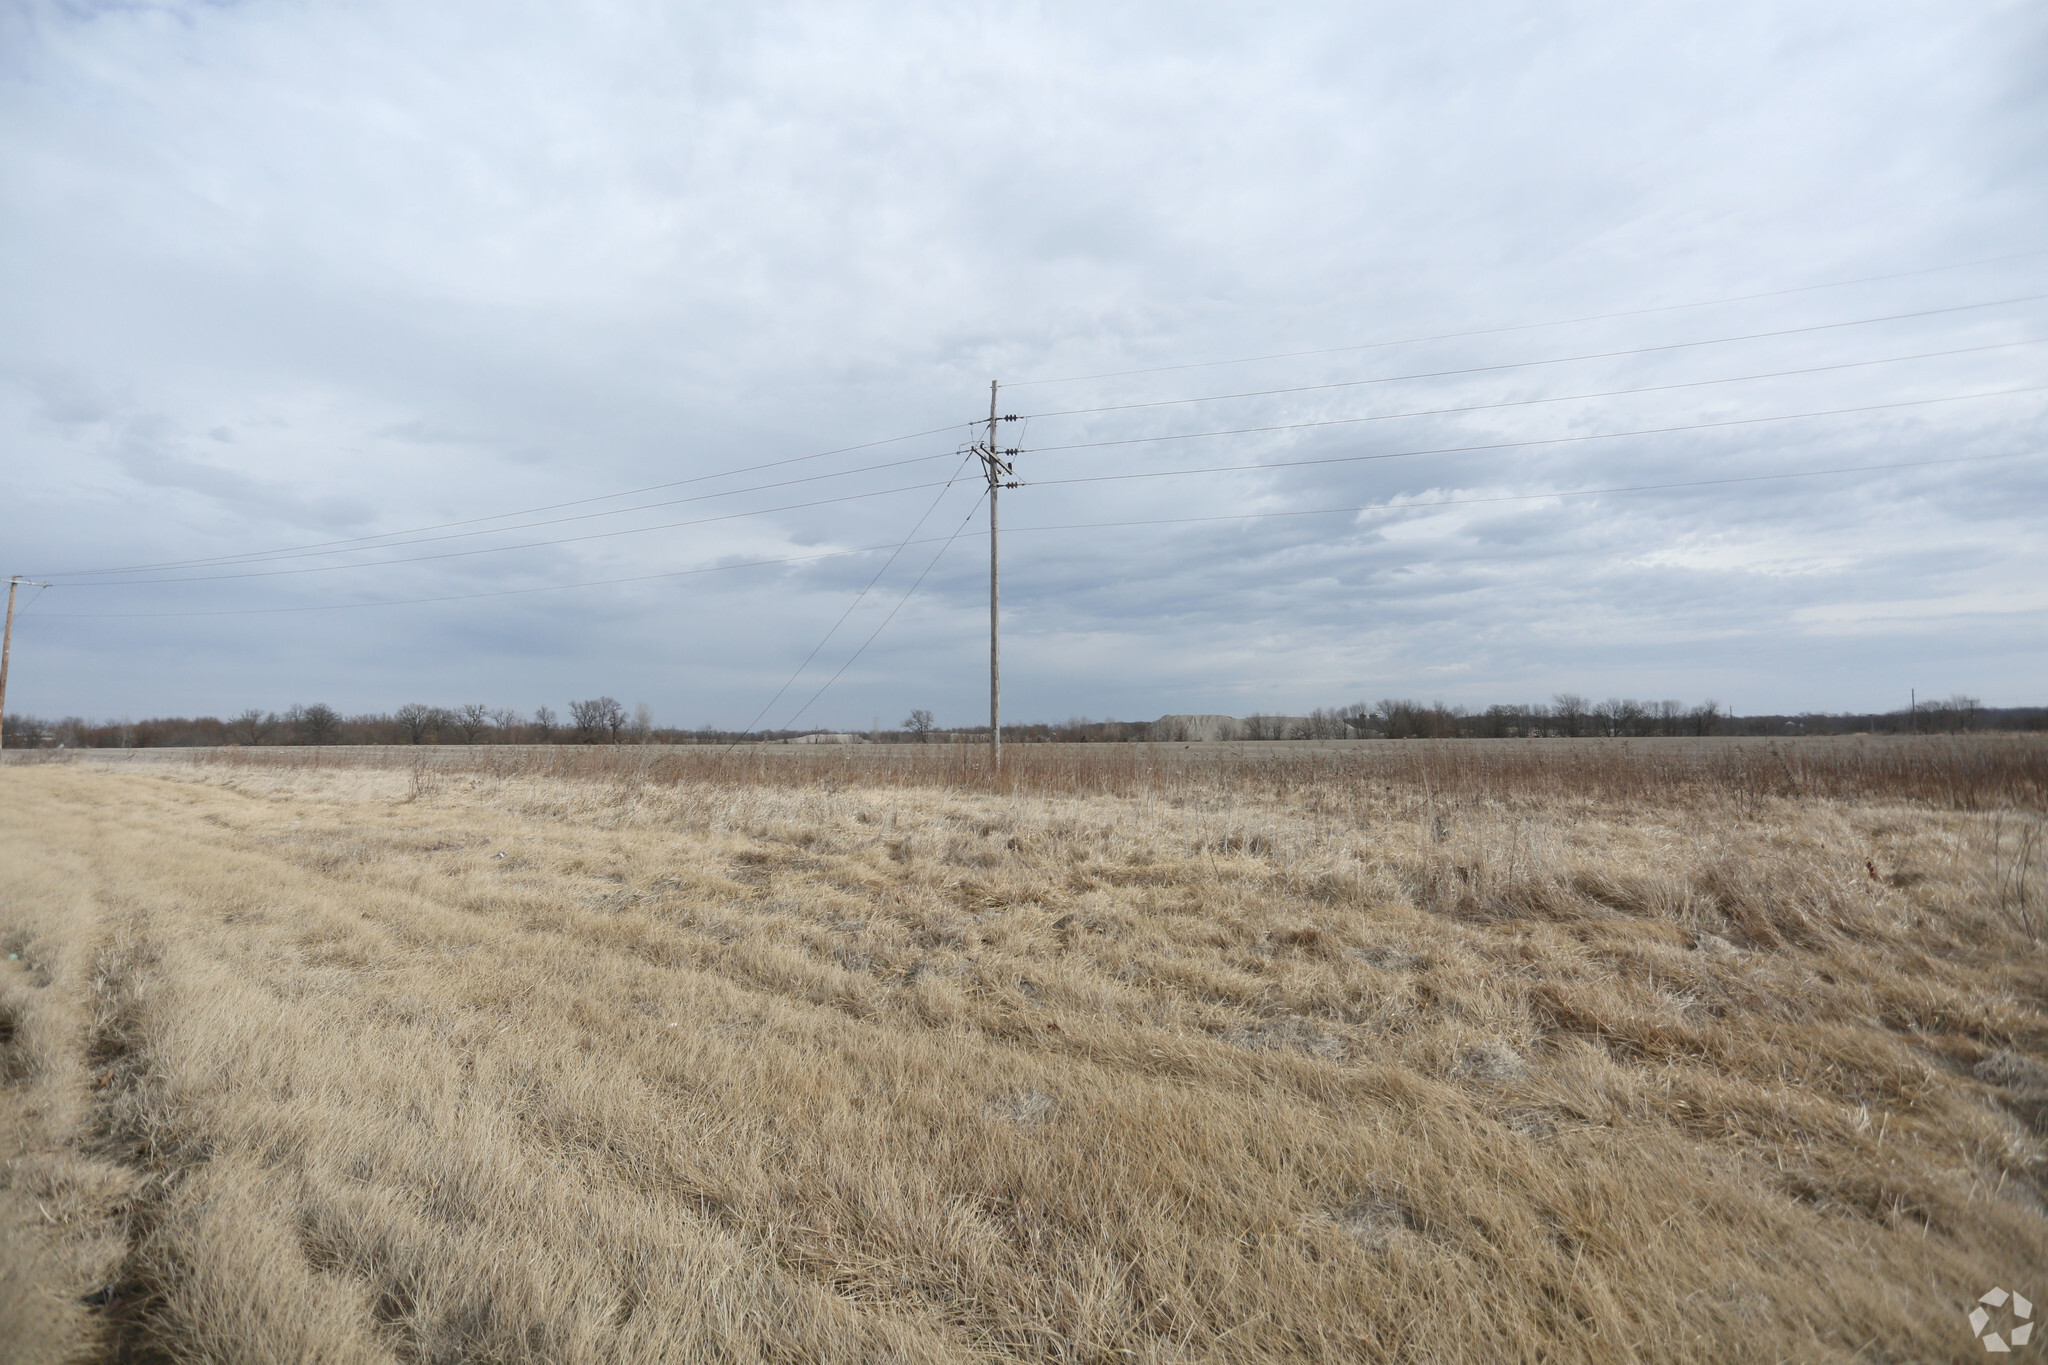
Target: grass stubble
(1407,1055)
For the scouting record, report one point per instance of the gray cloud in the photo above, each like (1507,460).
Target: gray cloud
(280,276)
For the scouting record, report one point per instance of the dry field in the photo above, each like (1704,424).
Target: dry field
(1527,1052)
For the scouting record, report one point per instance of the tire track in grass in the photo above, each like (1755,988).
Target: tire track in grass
(141,1304)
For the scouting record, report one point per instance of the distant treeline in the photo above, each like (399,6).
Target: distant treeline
(599,720)
(1566,716)
(1569,715)
(603,720)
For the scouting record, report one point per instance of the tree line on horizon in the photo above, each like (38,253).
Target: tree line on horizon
(1569,715)
(604,720)
(597,720)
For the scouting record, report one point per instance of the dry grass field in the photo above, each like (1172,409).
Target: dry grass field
(1525,1052)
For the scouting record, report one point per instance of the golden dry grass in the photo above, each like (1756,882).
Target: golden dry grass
(635,1057)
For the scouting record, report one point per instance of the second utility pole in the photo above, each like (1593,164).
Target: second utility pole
(7,642)
(995,467)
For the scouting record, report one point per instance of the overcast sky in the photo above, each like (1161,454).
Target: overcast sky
(279,276)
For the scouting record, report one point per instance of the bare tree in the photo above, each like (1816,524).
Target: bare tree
(1706,717)
(1620,715)
(418,720)
(544,723)
(27,732)
(1325,723)
(1570,709)
(315,724)
(472,720)
(506,721)
(598,718)
(1964,709)
(1358,717)
(921,724)
(643,722)
(1401,719)
(1670,717)
(253,725)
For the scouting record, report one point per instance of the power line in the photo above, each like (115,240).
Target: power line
(500,549)
(1533,326)
(529,511)
(478,596)
(30,605)
(1472,407)
(907,594)
(1098,478)
(1466,450)
(1065,526)
(253,557)
(392,539)
(860,597)
(1529,364)
(1601,393)
(1534,497)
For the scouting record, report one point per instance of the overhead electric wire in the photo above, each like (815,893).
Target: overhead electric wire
(1465,450)
(40,589)
(1098,478)
(501,549)
(225,561)
(235,561)
(859,597)
(1530,364)
(529,511)
(1531,497)
(479,596)
(1065,526)
(1533,326)
(394,539)
(937,555)
(386,539)
(398,538)
(1238,431)
(1603,393)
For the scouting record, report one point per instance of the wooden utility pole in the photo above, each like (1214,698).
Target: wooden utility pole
(7,644)
(998,471)
(995,614)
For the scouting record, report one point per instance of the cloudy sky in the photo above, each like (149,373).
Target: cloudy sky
(461,352)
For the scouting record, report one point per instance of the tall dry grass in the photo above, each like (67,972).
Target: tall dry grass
(1543,1052)
(1953,772)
